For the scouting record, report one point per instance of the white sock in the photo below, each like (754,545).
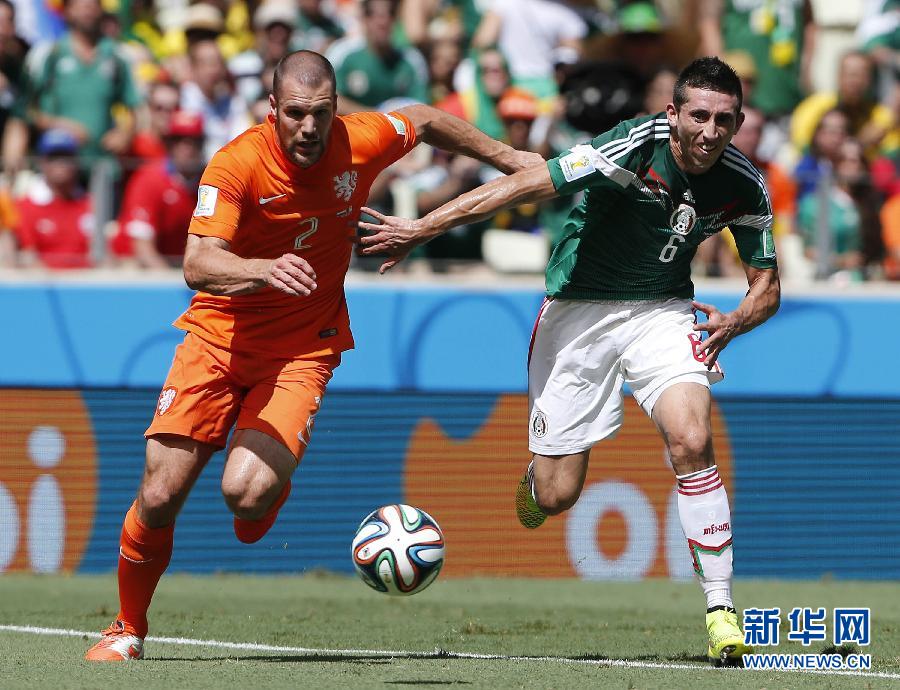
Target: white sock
(706,521)
(531,481)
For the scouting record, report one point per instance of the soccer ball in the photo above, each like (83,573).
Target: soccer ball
(398,549)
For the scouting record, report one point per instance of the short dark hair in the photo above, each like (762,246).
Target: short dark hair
(710,74)
(307,67)
(367,7)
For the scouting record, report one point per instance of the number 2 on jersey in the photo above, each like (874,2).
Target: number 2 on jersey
(312,224)
(668,252)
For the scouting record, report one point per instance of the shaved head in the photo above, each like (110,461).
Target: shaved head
(306,68)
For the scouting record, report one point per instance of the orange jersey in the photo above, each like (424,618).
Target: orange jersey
(252,195)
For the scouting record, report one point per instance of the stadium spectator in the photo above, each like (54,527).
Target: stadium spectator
(745,67)
(641,41)
(477,104)
(443,55)
(73,84)
(620,305)
(527,32)
(659,90)
(210,93)
(890,233)
(316,28)
(420,18)
(274,22)
(831,220)
(162,101)
(778,35)
(55,223)
(372,69)
(161,196)
(269,321)
(203,21)
(227,23)
(878,34)
(830,134)
(867,120)
(12,61)
(518,110)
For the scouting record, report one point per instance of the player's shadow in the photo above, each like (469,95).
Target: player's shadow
(287,658)
(650,658)
(381,659)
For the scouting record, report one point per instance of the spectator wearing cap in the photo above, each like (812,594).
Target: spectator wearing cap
(55,220)
(518,110)
(316,28)
(372,70)
(160,197)
(274,22)
(642,39)
(744,66)
(210,20)
(73,84)
(211,94)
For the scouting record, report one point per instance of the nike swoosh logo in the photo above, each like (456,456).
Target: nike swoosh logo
(263,200)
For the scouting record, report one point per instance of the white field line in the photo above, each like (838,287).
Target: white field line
(436,654)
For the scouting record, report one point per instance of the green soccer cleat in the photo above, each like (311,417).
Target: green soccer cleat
(527,510)
(726,641)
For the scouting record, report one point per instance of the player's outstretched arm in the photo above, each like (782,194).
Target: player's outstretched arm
(209,265)
(759,304)
(396,237)
(450,133)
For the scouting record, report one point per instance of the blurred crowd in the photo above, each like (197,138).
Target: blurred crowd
(109,110)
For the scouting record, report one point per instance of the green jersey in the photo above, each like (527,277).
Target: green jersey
(60,84)
(640,221)
(772,31)
(371,79)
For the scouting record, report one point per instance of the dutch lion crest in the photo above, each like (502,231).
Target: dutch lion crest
(345,184)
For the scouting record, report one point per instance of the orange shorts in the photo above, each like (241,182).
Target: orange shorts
(209,388)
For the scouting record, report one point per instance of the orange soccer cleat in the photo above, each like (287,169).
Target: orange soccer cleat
(118,643)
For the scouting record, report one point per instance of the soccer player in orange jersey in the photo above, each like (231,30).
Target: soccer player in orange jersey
(268,249)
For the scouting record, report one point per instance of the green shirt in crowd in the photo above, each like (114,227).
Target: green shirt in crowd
(60,84)
(771,31)
(371,80)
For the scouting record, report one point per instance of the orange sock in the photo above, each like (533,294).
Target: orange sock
(250,531)
(144,555)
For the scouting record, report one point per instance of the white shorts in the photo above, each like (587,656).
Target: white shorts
(583,352)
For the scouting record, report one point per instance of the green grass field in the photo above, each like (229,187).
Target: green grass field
(333,632)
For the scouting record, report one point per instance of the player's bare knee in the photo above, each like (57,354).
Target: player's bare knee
(690,450)
(158,502)
(247,500)
(553,502)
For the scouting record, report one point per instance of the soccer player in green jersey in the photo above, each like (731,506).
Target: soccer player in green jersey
(620,307)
